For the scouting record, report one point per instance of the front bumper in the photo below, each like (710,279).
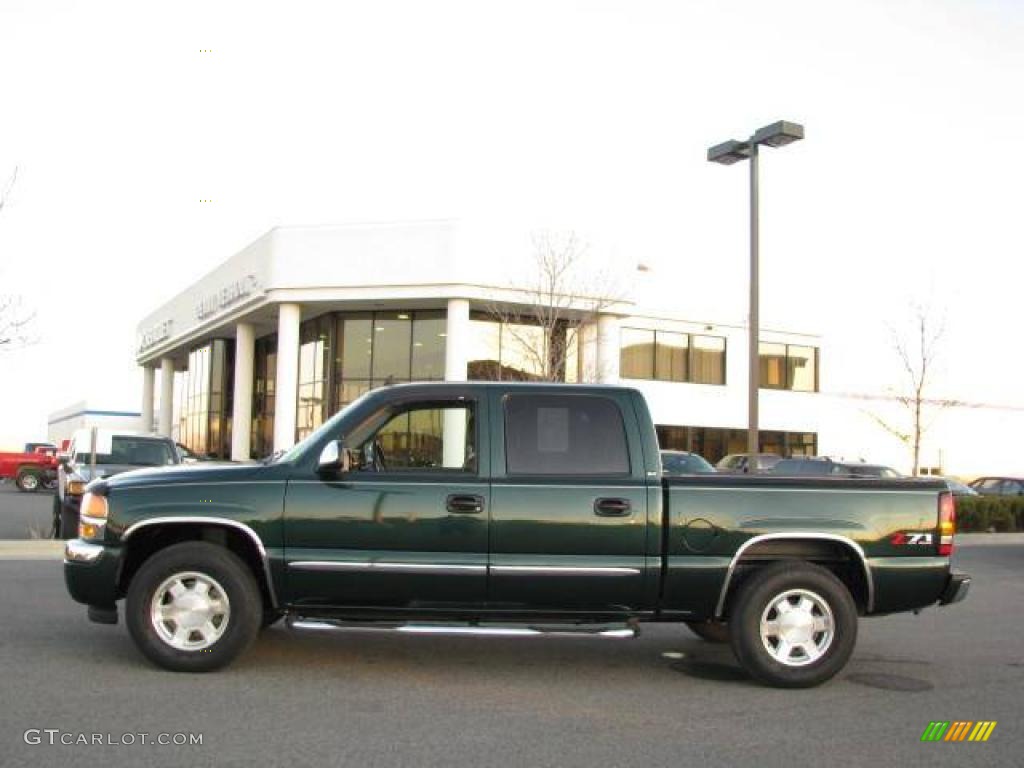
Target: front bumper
(957,587)
(91,571)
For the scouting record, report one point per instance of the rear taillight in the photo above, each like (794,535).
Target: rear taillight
(947,522)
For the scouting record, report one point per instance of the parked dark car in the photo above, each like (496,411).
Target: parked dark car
(959,489)
(998,486)
(818,466)
(117,453)
(747,463)
(685,463)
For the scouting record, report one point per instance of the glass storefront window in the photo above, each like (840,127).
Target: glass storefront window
(484,344)
(773,365)
(429,330)
(789,366)
(670,356)
(355,347)
(523,352)
(803,368)
(205,400)
(392,339)
(713,443)
(707,359)
(314,357)
(263,400)
(636,359)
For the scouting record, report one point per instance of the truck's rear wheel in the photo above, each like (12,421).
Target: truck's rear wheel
(193,607)
(710,631)
(28,480)
(794,625)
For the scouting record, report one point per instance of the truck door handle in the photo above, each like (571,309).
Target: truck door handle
(465,504)
(613,507)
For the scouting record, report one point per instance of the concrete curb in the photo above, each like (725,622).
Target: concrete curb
(31,549)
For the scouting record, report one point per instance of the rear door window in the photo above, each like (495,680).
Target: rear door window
(564,435)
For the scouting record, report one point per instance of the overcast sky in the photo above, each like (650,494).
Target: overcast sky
(589,116)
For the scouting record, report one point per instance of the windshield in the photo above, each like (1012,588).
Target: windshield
(132,451)
(684,464)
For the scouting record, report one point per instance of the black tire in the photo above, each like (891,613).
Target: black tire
(766,588)
(68,522)
(710,631)
(29,481)
(228,573)
(55,530)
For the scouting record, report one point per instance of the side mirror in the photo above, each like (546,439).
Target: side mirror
(333,458)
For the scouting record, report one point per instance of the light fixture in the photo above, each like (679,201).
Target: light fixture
(778,134)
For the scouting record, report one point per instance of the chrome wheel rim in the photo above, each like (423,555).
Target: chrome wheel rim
(190,611)
(797,627)
(29,482)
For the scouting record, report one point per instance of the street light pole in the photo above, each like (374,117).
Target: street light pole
(775,135)
(754,321)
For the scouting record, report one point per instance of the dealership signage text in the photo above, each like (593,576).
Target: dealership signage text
(226,296)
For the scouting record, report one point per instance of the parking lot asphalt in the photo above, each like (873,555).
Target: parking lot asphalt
(365,698)
(24,515)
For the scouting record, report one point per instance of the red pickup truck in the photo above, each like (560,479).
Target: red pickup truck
(30,471)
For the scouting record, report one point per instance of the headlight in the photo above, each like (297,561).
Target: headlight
(92,517)
(94,506)
(76,487)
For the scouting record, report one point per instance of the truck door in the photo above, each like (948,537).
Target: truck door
(407,527)
(568,502)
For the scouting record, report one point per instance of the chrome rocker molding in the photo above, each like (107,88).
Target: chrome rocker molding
(443,568)
(564,570)
(720,607)
(214,521)
(478,630)
(387,567)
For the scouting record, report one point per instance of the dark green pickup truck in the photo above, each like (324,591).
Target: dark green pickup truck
(506,509)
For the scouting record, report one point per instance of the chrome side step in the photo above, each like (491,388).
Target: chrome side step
(479,630)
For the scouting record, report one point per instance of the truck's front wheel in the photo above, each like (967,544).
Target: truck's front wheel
(28,481)
(193,607)
(794,625)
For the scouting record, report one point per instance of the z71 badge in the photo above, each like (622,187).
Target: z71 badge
(910,538)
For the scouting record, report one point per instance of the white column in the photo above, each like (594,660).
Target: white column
(607,349)
(241,413)
(456,346)
(287,385)
(166,396)
(456,364)
(148,392)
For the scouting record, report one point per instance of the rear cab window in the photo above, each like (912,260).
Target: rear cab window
(565,435)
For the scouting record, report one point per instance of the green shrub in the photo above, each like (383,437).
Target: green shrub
(984,513)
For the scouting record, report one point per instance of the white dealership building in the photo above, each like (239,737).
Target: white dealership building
(261,350)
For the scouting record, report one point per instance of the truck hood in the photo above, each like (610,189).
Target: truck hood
(206,472)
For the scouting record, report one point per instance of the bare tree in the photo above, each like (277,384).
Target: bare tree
(918,349)
(564,298)
(14,318)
